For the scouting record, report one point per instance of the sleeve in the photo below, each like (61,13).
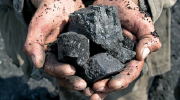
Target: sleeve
(156,7)
(159,62)
(18,6)
(14,25)
(24,10)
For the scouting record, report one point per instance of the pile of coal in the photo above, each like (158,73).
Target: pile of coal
(95,44)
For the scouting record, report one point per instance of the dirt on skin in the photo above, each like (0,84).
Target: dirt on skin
(165,87)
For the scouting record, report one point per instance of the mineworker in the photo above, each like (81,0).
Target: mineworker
(33,24)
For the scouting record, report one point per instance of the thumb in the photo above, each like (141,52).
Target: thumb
(43,29)
(38,31)
(146,45)
(36,52)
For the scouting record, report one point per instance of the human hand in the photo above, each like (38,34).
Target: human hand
(48,21)
(102,88)
(44,28)
(139,28)
(64,73)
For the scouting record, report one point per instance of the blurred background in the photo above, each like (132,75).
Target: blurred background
(164,87)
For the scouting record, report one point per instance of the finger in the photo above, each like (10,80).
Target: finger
(56,69)
(72,83)
(131,72)
(129,34)
(79,5)
(53,35)
(98,96)
(34,45)
(146,45)
(36,52)
(102,86)
(123,87)
(87,92)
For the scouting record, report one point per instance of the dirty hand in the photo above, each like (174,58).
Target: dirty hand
(48,21)
(139,28)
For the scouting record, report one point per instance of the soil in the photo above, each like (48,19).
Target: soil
(164,87)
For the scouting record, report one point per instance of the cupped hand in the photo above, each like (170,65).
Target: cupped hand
(48,21)
(139,28)
(44,28)
(64,73)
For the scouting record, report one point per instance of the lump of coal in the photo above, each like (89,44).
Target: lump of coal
(102,26)
(109,48)
(122,54)
(73,48)
(127,43)
(99,23)
(100,66)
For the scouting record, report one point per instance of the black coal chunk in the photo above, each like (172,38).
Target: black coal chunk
(128,44)
(100,66)
(99,23)
(73,48)
(108,48)
(122,54)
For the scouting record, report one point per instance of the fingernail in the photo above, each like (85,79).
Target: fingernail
(145,53)
(33,59)
(77,88)
(100,98)
(101,89)
(72,68)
